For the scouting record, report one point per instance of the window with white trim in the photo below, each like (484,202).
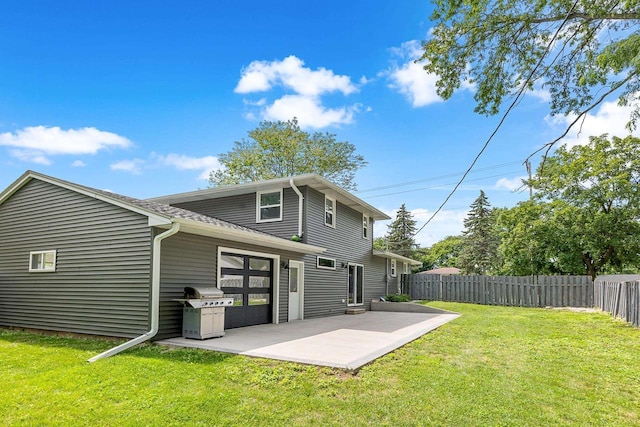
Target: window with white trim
(393,268)
(326,263)
(269,206)
(406,268)
(365,226)
(329,212)
(42,261)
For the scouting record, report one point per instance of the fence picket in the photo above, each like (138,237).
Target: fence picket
(531,291)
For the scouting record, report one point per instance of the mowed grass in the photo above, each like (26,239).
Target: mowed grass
(491,366)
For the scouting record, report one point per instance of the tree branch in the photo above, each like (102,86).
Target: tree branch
(580,116)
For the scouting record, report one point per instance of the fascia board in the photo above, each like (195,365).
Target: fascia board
(212,230)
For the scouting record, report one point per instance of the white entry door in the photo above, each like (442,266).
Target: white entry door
(296,290)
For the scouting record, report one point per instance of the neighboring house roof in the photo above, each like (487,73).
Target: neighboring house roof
(311,180)
(391,255)
(162,215)
(444,271)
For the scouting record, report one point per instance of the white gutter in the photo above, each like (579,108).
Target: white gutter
(155,298)
(300,199)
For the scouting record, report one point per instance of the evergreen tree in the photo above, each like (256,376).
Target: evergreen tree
(401,231)
(480,240)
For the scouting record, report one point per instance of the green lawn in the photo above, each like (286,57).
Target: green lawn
(492,366)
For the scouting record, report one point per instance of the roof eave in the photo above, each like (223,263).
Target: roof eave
(391,255)
(273,242)
(312,180)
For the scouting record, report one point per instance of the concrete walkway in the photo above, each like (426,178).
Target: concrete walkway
(346,341)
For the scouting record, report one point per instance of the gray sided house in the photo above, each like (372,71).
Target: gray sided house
(82,260)
(77,259)
(349,273)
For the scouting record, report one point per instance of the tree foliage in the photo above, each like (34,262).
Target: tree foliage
(581,51)
(280,149)
(480,239)
(400,233)
(441,254)
(585,219)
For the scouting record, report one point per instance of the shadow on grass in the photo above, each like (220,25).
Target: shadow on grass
(96,345)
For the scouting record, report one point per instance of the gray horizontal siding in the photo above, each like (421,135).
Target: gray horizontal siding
(186,260)
(241,210)
(101,282)
(326,290)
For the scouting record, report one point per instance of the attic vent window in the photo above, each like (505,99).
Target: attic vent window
(269,206)
(42,261)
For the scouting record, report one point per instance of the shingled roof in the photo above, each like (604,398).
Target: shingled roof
(162,215)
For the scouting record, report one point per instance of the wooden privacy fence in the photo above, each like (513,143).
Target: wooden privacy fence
(530,291)
(619,295)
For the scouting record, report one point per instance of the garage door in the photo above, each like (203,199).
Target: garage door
(248,280)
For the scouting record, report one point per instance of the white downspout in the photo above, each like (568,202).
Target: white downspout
(155,298)
(300,199)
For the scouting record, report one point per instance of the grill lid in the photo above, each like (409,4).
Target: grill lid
(202,292)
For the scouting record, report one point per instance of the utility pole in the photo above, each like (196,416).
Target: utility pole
(527,163)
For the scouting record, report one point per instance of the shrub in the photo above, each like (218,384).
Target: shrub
(398,298)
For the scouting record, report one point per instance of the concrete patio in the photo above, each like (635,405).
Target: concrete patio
(345,341)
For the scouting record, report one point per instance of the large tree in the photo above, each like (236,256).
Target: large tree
(598,185)
(280,149)
(480,238)
(444,253)
(582,51)
(401,232)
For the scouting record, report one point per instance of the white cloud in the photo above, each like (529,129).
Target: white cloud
(181,162)
(290,73)
(541,94)
(307,87)
(78,164)
(415,84)
(446,223)
(411,80)
(37,143)
(259,103)
(309,111)
(610,119)
(32,156)
(511,184)
(134,166)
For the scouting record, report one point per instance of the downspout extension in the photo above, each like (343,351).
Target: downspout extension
(300,201)
(155,298)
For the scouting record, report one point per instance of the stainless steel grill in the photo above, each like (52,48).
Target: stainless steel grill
(203,312)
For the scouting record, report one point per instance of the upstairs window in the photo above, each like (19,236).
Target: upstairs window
(42,261)
(269,206)
(393,268)
(365,227)
(330,212)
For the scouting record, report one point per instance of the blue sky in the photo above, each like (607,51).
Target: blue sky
(141,97)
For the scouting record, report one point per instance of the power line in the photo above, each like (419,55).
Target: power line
(439,185)
(418,181)
(524,85)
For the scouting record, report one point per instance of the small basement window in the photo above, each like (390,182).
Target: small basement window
(326,263)
(330,212)
(269,206)
(393,268)
(42,261)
